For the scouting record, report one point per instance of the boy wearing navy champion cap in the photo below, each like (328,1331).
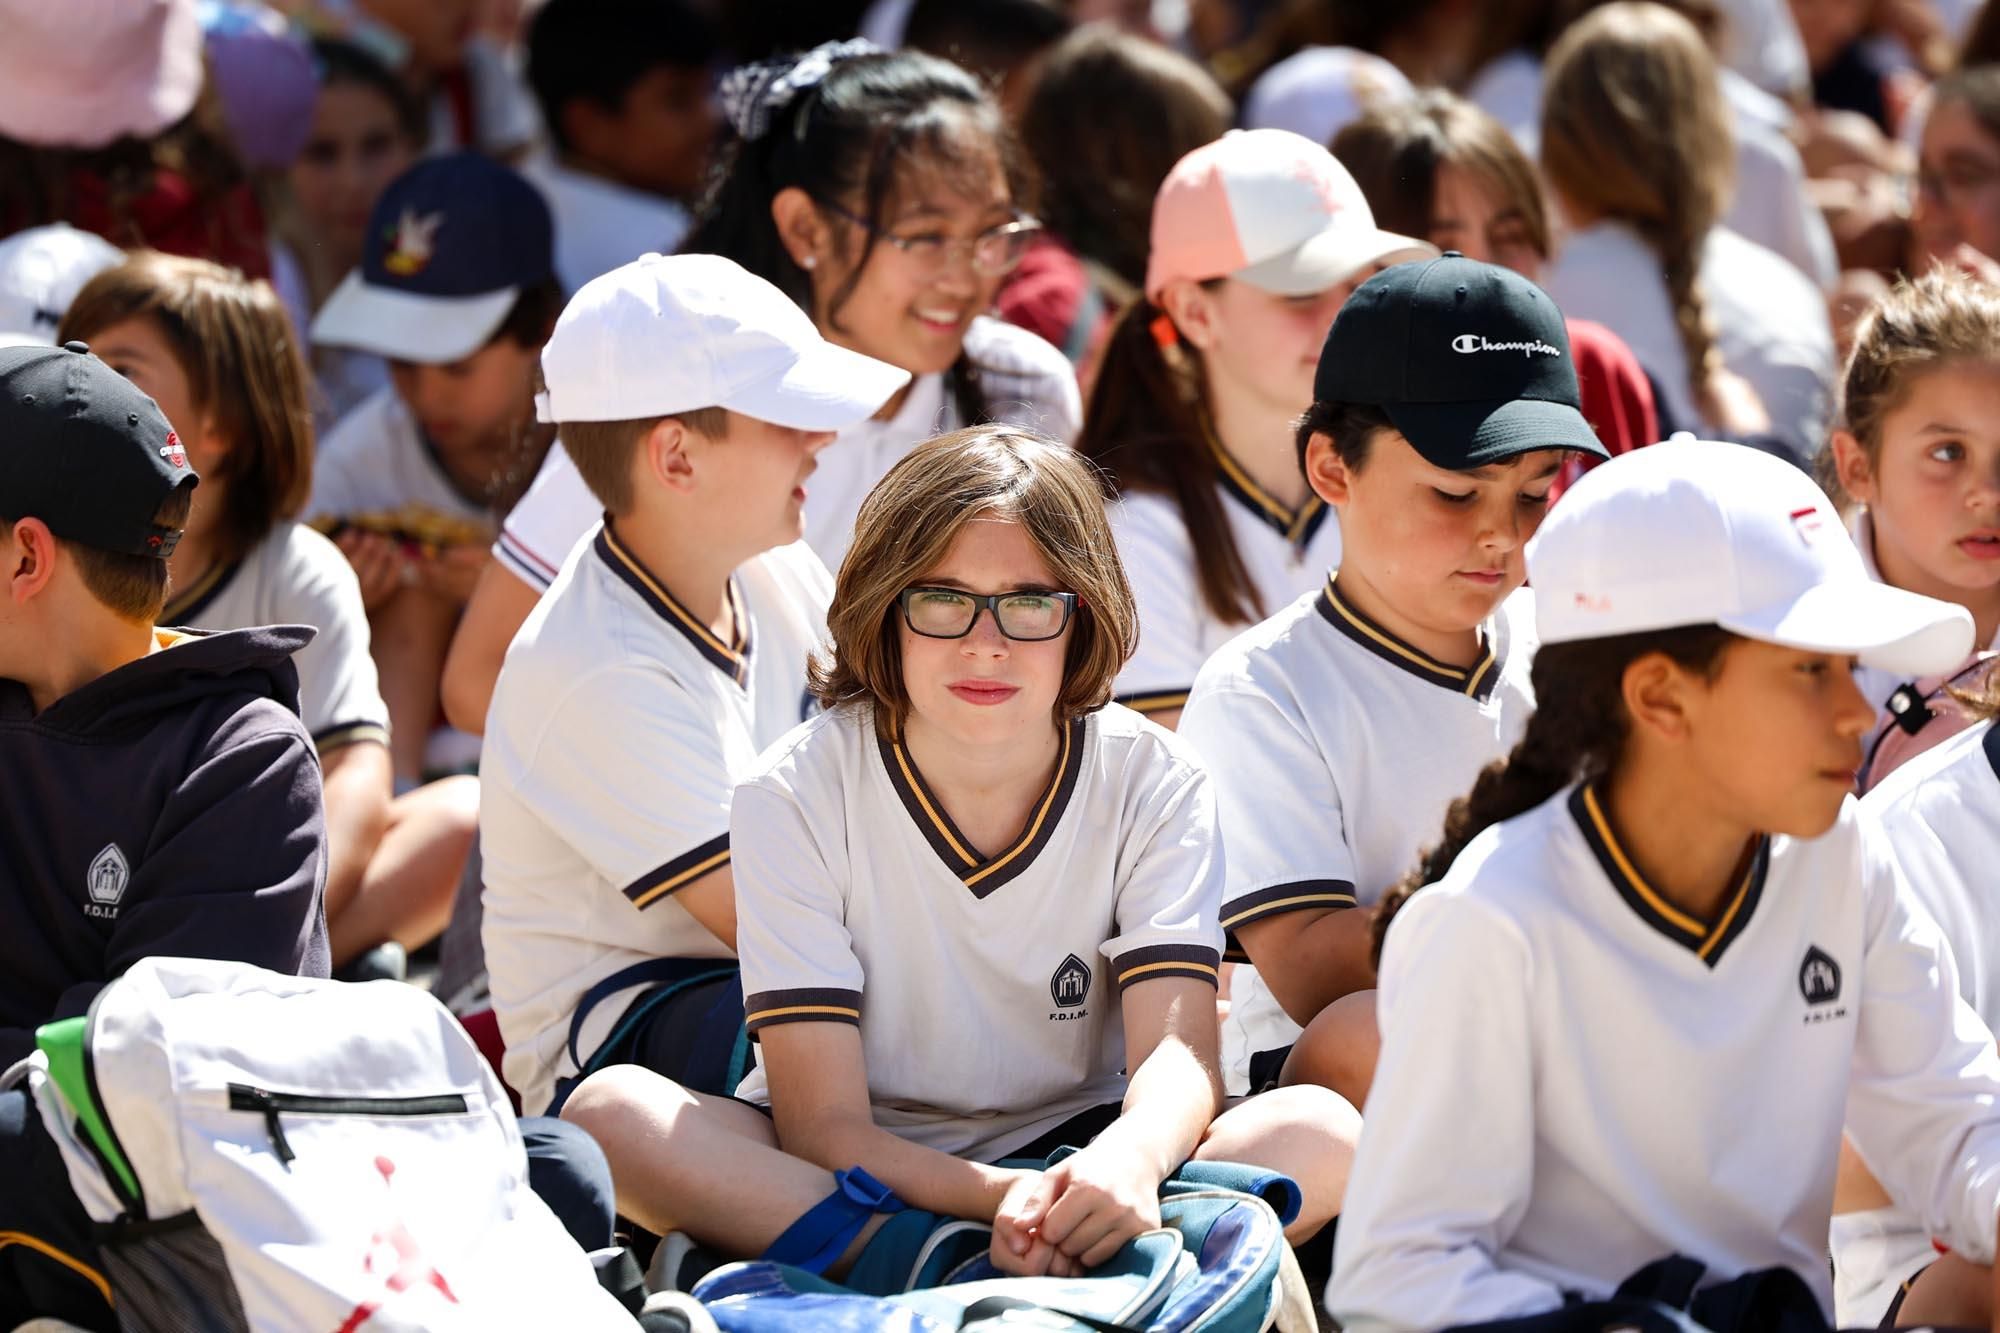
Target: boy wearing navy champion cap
(161,794)
(669,651)
(457,290)
(1339,730)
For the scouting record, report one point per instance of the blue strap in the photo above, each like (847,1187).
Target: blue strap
(823,1233)
(672,975)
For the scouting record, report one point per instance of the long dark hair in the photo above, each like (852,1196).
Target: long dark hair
(853,131)
(1577,734)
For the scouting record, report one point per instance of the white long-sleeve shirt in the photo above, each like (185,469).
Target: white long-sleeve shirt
(1577,1078)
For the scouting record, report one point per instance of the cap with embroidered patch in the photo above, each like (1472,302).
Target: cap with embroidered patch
(1470,362)
(84,451)
(452,242)
(1692,532)
(672,333)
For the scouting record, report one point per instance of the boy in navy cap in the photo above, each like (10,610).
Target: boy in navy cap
(161,795)
(1339,730)
(457,290)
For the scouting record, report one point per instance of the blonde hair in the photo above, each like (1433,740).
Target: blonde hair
(233,340)
(909,522)
(1919,326)
(1634,128)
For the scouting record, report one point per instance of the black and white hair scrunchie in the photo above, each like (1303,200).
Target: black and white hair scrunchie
(752,94)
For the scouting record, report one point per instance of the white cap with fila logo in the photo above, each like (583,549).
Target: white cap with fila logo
(1692,532)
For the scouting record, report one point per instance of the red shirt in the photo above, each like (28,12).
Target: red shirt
(1617,397)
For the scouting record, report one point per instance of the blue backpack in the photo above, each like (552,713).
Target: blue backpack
(1218,1263)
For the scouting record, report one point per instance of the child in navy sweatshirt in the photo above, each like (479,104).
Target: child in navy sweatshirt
(158,793)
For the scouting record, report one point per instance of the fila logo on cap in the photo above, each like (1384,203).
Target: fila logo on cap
(1467,344)
(106,881)
(1070,986)
(172,451)
(1808,521)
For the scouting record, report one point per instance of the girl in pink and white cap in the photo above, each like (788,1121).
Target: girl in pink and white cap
(1257,240)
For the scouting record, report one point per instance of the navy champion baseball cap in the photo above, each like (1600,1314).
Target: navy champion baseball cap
(450,245)
(83,450)
(1470,361)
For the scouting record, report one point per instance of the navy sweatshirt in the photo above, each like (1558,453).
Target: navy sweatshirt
(169,807)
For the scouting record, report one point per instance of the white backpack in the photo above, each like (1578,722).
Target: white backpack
(277,1153)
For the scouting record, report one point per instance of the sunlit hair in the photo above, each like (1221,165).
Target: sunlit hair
(233,340)
(1635,129)
(906,528)
(1942,318)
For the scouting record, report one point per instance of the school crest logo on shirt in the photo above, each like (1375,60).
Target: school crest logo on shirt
(1819,983)
(1070,986)
(106,881)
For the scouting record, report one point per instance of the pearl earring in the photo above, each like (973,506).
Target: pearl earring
(809,263)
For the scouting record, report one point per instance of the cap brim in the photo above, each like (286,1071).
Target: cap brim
(1898,631)
(1468,435)
(1330,258)
(827,388)
(403,326)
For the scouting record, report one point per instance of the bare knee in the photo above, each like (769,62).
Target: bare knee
(1306,1132)
(624,1106)
(1952,1291)
(1338,1049)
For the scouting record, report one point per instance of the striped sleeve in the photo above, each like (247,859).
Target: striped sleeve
(343,734)
(811,1004)
(1277,900)
(1189,961)
(662,882)
(546,525)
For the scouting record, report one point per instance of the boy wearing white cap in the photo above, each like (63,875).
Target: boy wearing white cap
(1662,945)
(668,652)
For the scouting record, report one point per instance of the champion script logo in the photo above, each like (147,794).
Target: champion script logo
(1468,343)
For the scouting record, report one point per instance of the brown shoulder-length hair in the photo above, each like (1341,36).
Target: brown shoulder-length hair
(908,523)
(235,343)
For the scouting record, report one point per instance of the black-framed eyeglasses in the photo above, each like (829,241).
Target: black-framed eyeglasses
(995,252)
(950,613)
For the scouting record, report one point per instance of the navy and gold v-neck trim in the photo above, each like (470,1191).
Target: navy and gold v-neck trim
(1297,526)
(984,874)
(187,606)
(1707,940)
(732,659)
(1476,681)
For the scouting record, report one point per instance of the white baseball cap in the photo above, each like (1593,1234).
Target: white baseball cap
(1691,532)
(41,271)
(1270,208)
(667,334)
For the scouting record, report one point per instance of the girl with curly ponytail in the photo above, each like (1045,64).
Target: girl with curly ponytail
(1663,954)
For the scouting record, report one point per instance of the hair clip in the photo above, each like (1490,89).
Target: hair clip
(1165,335)
(752,94)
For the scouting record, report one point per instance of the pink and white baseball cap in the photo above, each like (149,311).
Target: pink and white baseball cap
(84,73)
(1270,208)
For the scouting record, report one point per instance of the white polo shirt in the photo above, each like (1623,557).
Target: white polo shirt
(376,462)
(619,726)
(1578,1079)
(1336,748)
(297,577)
(1939,815)
(1286,552)
(986,987)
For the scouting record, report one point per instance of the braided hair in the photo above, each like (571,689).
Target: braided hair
(1576,734)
